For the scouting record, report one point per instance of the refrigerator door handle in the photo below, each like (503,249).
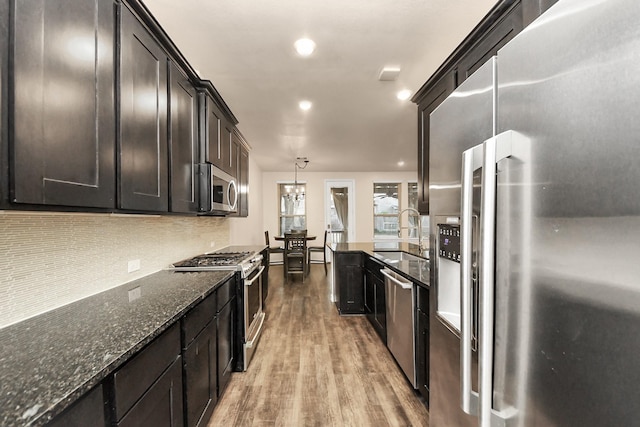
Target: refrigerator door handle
(497,148)
(471,162)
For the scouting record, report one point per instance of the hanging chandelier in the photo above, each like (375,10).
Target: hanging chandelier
(297,192)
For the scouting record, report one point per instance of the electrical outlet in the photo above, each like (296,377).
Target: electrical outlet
(133,265)
(135,293)
(213,244)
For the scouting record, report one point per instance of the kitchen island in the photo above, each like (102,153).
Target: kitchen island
(359,286)
(417,271)
(51,360)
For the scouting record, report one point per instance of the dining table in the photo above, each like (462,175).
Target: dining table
(281,239)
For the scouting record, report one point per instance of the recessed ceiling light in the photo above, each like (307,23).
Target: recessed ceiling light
(403,95)
(305,47)
(304,105)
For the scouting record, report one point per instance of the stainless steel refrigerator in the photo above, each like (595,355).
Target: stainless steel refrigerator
(535,220)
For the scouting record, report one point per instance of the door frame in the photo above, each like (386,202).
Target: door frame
(351,186)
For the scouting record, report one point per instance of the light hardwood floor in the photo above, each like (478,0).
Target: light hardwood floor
(315,368)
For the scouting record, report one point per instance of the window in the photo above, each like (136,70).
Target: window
(293,209)
(385,210)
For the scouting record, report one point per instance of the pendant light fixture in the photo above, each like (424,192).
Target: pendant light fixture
(298,190)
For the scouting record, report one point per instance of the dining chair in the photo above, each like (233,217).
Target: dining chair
(272,249)
(322,249)
(295,254)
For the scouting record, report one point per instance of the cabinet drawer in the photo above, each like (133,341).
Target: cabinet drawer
(225,293)
(132,380)
(198,318)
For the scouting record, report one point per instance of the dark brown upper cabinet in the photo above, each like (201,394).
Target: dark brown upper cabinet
(243,182)
(211,130)
(437,93)
(183,137)
(240,168)
(63,110)
(506,27)
(226,150)
(143,119)
(505,20)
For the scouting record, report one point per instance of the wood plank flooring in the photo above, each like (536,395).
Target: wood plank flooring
(315,368)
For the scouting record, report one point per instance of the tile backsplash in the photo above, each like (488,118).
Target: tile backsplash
(51,259)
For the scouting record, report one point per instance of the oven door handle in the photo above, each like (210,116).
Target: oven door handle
(250,282)
(256,335)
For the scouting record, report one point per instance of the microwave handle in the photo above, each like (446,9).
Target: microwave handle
(232,191)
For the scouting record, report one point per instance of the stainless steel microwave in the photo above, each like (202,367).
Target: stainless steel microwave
(219,192)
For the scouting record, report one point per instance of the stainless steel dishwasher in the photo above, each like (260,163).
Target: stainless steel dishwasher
(401,310)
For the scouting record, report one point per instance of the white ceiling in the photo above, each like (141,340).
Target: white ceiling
(245,47)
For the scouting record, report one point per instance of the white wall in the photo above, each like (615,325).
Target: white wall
(315,183)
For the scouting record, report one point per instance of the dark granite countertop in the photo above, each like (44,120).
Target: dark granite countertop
(50,360)
(417,270)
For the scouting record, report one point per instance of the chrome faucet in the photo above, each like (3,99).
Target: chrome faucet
(419,226)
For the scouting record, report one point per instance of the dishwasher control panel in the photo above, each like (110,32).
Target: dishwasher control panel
(449,241)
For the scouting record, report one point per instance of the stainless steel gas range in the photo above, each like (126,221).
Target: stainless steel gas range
(249,278)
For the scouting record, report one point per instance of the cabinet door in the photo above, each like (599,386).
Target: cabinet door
(380,311)
(352,290)
(225,345)
(212,131)
(235,153)
(369,295)
(432,99)
(506,28)
(63,144)
(422,340)
(183,128)
(143,119)
(226,141)
(161,405)
(348,275)
(243,180)
(201,387)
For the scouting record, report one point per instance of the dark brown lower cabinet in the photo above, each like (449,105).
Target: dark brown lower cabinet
(375,307)
(422,342)
(87,411)
(348,279)
(147,390)
(161,405)
(380,312)
(175,380)
(225,344)
(201,394)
